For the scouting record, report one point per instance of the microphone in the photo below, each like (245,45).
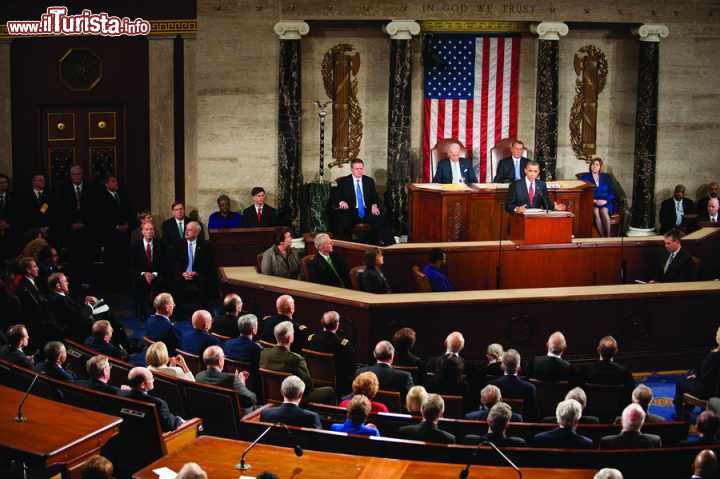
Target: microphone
(20,417)
(244,466)
(465,472)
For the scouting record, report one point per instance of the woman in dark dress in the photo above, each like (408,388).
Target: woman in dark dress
(372,279)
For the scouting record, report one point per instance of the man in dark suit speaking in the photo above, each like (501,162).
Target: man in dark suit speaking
(454,169)
(357,202)
(511,168)
(530,192)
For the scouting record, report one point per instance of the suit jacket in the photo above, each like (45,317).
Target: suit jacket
(443,173)
(57,372)
(97,385)
(110,212)
(228,380)
(410,359)
(33,302)
(372,280)
(345,191)
(390,379)
(608,373)
(206,281)
(171,233)
(668,216)
(342,348)
(518,196)
(482,414)
(159,328)
(195,342)
(102,347)
(301,331)
(498,440)
(243,349)
(74,318)
(630,440)
(139,263)
(511,386)
(269,217)
(426,431)
(168,421)
(15,356)
(562,438)
(278,358)
(291,415)
(549,368)
(32,212)
(682,268)
(505,172)
(225,325)
(320,271)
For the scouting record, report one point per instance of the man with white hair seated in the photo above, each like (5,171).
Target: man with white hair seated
(551,366)
(568,414)
(327,267)
(631,437)
(427,430)
(489,396)
(608,473)
(191,470)
(390,379)
(290,412)
(513,387)
(281,358)
(214,360)
(454,344)
(579,395)
(643,396)
(285,307)
(498,420)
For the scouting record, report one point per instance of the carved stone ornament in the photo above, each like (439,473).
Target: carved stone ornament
(651,32)
(402,29)
(592,69)
(550,30)
(291,30)
(340,67)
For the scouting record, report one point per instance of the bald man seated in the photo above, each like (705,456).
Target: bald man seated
(633,418)
(551,366)
(705,465)
(141,382)
(199,338)
(214,360)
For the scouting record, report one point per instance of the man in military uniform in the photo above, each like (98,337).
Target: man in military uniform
(285,306)
(281,358)
(330,340)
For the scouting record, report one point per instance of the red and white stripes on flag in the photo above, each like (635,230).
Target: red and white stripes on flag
(488,116)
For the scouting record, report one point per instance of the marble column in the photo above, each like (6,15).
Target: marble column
(546,99)
(162,125)
(289,113)
(399,106)
(643,205)
(6,165)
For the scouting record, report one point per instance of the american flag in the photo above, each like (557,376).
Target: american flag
(472,95)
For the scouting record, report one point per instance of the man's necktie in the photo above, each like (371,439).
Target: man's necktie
(517,169)
(77,197)
(531,193)
(189,267)
(116,197)
(678,213)
(2,201)
(181,228)
(259,214)
(668,262)
(332,267)
(359,200)
(148,253)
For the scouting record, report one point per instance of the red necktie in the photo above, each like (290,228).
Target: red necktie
(531,193)
(148,253)
(259,212)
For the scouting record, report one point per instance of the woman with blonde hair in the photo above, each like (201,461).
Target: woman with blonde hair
(158,360)
(702,383)
(414,399)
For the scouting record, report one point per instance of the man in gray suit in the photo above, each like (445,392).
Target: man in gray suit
(630,437)
(214,359)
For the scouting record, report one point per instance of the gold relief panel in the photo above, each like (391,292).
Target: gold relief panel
(102,125)
(61,126)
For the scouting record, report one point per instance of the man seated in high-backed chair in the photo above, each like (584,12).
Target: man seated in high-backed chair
(512,168)
(454,169)
(357,201)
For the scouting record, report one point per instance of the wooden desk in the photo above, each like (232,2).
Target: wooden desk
(56,436)
(240,246)
(476,213)
(218,458)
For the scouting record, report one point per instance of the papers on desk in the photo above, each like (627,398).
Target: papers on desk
(552,213)
(165,473)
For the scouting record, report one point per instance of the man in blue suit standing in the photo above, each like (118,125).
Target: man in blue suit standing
(530,192)
(454,169)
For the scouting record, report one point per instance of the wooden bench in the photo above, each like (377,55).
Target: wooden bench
(141,439)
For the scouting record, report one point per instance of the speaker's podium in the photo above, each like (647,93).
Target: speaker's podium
(536,226)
